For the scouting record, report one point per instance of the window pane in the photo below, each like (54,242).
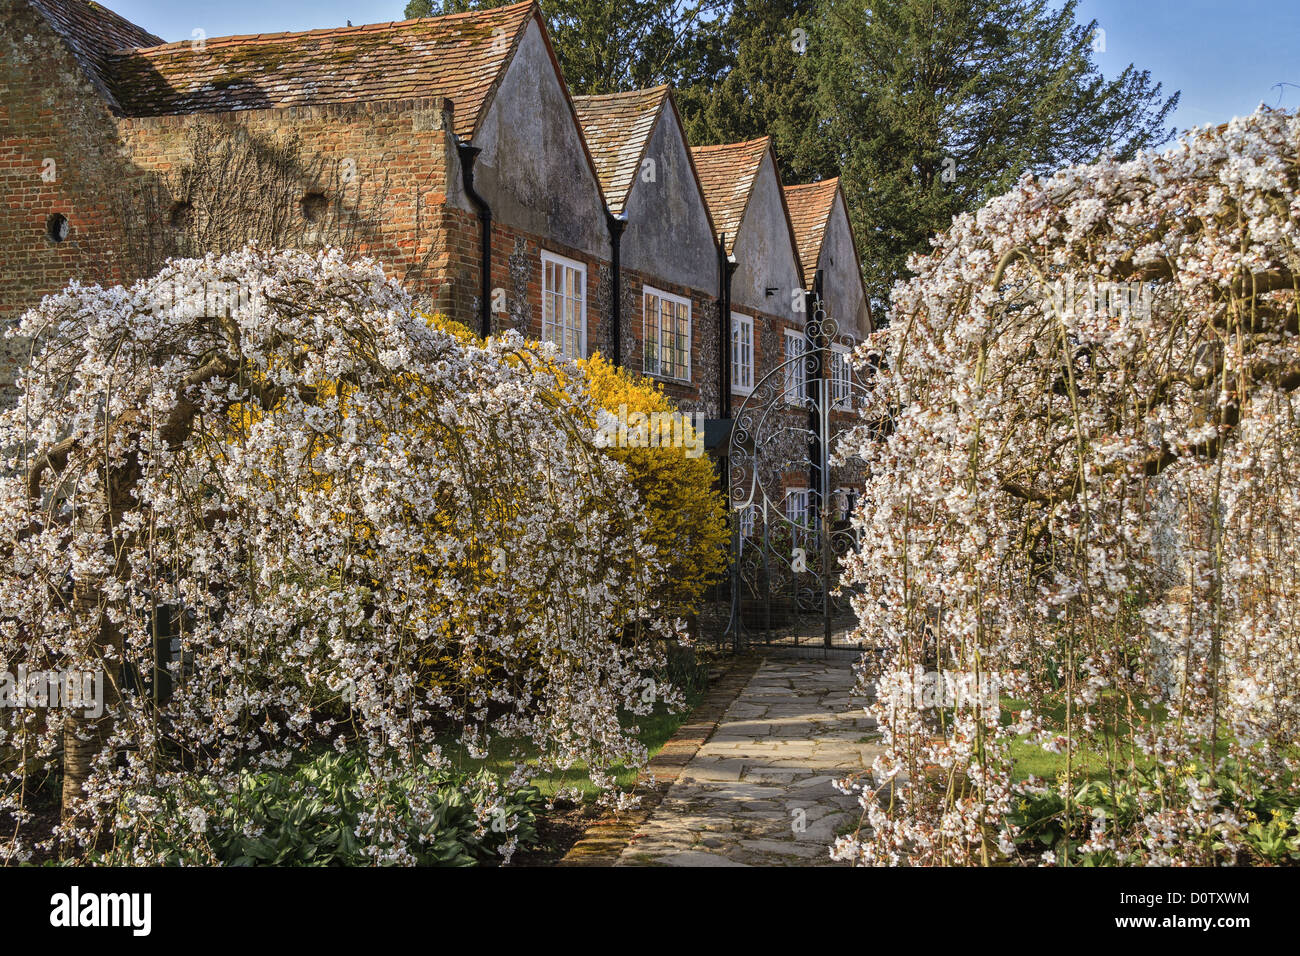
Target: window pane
(683,332)
(575,316)
(679,343)
(794,370)
(548,301)
(662,361)
(565,324)
(650,316)
(665,346)
(747,354)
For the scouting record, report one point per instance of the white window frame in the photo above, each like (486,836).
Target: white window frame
(798,518)
(796,374)
(656,367)
(841,377)
(549,324)
(742,384)
(746,518)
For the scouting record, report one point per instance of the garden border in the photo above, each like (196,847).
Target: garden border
(603,841)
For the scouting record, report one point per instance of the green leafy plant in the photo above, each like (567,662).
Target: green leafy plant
(310,814)
(1044,822)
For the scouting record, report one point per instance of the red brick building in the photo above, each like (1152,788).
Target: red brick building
(409,142)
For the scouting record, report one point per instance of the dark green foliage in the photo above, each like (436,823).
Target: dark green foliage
(936,106)
(607,46)
(927,108)
(1271,835)
(759,79)
(308,814)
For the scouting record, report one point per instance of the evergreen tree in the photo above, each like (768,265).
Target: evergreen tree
(758,79)
(934,106)
(608,46)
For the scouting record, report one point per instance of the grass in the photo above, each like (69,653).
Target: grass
(1092,762)
(1089,763)
(1029,760)
(656,730)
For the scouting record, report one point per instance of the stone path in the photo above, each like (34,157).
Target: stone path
(759,792)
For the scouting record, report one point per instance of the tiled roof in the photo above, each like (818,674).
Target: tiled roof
(459,56)
(92,32)
(810,208)
(617,127)
(727,175)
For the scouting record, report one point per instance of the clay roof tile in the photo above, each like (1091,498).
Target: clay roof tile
(92,33)
(458,56)
(617,127)
(810,208)
(727,175)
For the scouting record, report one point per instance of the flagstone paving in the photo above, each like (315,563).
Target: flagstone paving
(760,791)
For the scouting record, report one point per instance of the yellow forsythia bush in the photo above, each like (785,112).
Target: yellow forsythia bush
(685,511)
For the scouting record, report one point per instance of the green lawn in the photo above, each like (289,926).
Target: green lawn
(656,729)
(1091,763)
(1087,764)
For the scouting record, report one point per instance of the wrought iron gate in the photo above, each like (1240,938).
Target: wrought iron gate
(787,541)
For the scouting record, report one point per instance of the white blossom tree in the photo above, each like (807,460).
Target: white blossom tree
(359,529)
(1084,485)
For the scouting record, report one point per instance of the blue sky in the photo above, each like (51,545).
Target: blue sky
(1225,55)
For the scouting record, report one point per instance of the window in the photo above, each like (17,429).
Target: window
(667,335)
(799,511)
(842,502)
(564,305)
(796,507)
(841,377)
(745,518)
(742,354)
(796,374)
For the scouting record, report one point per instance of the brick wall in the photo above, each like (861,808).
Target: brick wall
(57,156)
(368,178)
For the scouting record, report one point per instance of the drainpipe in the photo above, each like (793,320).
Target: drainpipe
(616,225)
(467,155)
(726,269)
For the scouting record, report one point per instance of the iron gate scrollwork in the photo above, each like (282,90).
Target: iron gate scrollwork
(787,544)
